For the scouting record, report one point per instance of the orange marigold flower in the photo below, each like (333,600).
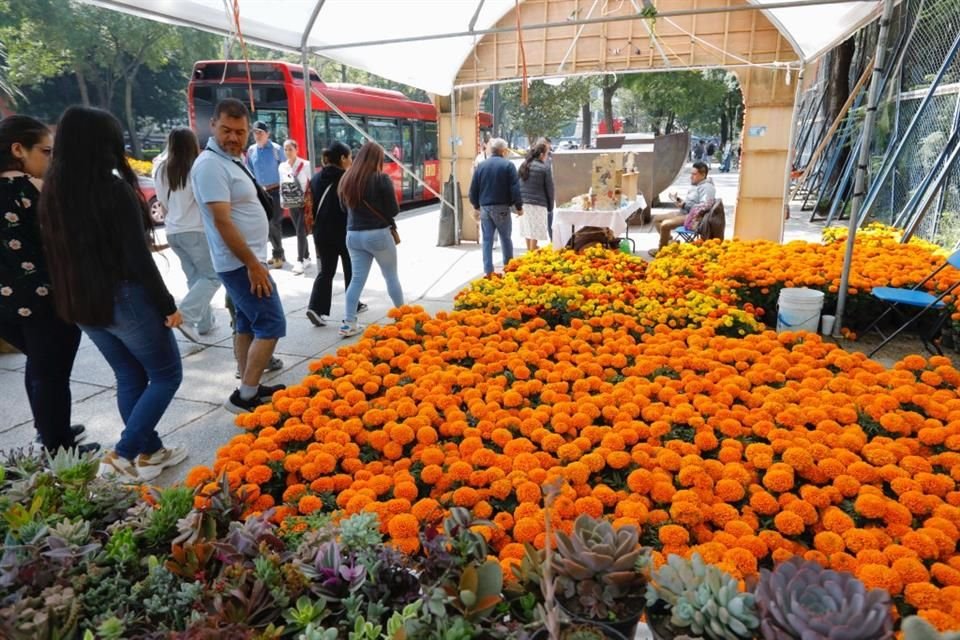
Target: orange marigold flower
(308,504)
(673,535)
(789,523)
(403,525)
(526,529)
(258,474)
(198,475)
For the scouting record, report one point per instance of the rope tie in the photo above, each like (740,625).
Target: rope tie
(246,54)
(524,98)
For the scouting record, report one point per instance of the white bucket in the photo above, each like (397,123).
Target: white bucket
(826,324)
(799,310)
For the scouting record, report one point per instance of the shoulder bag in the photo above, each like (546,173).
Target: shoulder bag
(393,225)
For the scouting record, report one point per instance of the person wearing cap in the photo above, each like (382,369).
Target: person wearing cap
(263,160)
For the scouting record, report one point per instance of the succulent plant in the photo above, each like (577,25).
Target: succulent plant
(801,599)
(597,569)
(916,628)
(702,600)
(478,591)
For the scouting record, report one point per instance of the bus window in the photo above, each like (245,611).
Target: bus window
(430,141)
(321,140)
(338,129)
(276,119)
(387,133)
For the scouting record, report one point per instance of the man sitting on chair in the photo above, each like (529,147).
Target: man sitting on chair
(702,194)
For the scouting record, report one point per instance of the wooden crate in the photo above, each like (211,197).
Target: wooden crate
(629,185)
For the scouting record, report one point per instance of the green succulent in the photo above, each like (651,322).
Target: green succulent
(801,599)
(597,569)
(916,628)
(703,600)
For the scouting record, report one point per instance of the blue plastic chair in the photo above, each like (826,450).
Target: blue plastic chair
(894,297)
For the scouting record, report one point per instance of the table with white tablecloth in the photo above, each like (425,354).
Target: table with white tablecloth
(567,221)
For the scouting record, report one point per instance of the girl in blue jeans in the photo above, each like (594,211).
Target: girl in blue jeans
(95,225)
(371,203)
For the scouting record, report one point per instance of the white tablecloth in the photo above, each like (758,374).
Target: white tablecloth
(566,221)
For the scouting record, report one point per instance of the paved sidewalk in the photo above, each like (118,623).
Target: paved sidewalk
(431,277)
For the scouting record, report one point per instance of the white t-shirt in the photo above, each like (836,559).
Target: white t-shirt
(183,212)
(300,171)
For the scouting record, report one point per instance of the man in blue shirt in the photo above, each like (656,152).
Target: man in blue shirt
(236,227)
(494,189)
(263,160)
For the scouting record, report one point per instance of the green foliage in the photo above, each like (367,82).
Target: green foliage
(121,549)
(360,532)
(548,110)
(916,628)
(692,100)
(478,591)
(173,503)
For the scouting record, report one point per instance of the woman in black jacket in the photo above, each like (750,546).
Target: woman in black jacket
(27,317)
(329,232)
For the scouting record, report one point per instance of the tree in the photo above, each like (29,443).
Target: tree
(706,101)
(547,109)
(609,86)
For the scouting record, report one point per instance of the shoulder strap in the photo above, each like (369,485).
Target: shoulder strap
(391,223)
(276,152)
(322,198)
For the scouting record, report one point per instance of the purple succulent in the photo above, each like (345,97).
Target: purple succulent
(800,600)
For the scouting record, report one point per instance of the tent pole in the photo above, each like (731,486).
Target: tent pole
(863,160)
(307,89)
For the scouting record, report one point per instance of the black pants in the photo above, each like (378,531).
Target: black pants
(300,224)
(276,224)
(328,255)
(50,345)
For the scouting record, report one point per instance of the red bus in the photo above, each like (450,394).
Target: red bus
(407,128)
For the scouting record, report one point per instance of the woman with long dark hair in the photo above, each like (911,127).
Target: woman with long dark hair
(95,224)
(371,203)
(536,190)
(329,232)
(185,235)
(28,320)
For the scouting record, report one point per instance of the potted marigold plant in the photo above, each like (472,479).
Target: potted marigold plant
(601,573)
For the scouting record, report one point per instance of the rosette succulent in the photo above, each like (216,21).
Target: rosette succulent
(916,628)
(600,570)
(800,600)
(702,600)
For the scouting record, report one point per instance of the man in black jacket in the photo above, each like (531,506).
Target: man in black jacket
(494,189)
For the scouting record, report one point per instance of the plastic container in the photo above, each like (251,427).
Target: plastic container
(826,324)
(799,310)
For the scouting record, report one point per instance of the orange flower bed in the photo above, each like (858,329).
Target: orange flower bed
(747,450)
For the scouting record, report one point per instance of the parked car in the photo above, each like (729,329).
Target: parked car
(157,213)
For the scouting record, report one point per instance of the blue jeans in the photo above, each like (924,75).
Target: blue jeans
(364,248)
(194,253)
(501,223)
(146,362)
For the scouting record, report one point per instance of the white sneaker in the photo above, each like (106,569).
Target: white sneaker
(297,268)
(307,261)
(190,332)
(348,329)
(151,466)
(113,465)
(214,325)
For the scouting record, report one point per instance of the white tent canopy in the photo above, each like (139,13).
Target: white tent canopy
(433,61)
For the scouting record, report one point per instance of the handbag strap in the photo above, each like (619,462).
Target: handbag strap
(391,223)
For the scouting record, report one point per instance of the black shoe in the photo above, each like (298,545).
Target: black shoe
(78,431)
(275,364)
(236,404)
(265,391)
(90,447)
(361,307)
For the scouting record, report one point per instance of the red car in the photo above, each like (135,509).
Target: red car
(157,213)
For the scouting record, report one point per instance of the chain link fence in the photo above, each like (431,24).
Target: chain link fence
(936,29)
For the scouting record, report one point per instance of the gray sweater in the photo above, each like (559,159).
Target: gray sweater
(538,187)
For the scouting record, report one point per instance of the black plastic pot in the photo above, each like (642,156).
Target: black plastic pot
(609,632)
(627,627)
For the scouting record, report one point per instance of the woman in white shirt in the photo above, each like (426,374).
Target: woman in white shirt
(185,234)
(294,178)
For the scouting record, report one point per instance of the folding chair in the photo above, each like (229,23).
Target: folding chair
(685,234)
(894,297)
(712,221)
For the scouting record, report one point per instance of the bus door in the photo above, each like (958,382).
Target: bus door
(411,188)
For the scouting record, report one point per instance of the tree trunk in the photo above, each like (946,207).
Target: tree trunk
(131,118)
(671,121)
(343,73)
(838,84)
(82,85)
(608,90)
(724,126)
(587,116)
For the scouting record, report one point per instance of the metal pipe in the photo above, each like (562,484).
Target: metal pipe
(864,159)
(930,194)
(890,160)
(307,89)
(787,4)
